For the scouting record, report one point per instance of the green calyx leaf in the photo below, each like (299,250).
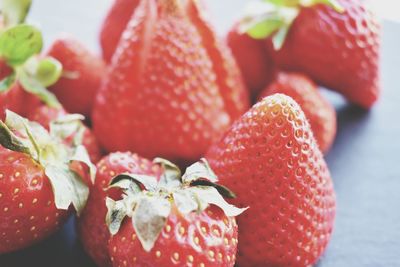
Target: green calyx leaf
(149,203)
(14,11)
(19,43)
(332,3)
(7,83)
(48,70)
(49,150)
(32,85)
(273,18)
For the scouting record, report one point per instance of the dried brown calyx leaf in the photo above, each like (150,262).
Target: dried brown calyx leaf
(148,202)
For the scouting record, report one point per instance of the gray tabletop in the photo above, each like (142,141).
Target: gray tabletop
(365,159)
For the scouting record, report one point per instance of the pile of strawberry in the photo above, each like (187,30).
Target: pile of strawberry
(169,87)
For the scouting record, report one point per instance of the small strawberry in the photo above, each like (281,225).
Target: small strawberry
(160,96)
(319,112)
(114,25)
(336,43)
(93,231)
(180,220)
(37,182)
(83,72)
(255,63)
(229,78)
(271,160)
(45,115)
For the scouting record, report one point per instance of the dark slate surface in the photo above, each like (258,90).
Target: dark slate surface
(364,161)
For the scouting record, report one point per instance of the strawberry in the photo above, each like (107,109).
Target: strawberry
(270,158)
(93,231)
(114,25)
(337,44)
(319,112)
(83,72)
(180,220)
(160,96)
(45,115)
(229,77)
(255,63)
(37,182)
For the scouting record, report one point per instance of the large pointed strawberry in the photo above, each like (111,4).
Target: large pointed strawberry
(337,44)
(181,220)
(229,78)
(271,160)
(46,115)
(319,112)
(161,97)
(251,55)
(38,181)
(83,72)
(114,25)
(93,231)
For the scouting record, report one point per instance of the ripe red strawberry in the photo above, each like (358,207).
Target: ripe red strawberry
(255,63)
(114,25)
(271,160)
(25,190)
(83,72)
(92,229)
(340,49)
(161,96)
(229,77)
(45,115)
(319,112)
(182,220)
(36,187)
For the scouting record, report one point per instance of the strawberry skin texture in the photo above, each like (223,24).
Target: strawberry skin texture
(319,112)
(160,97)
(270,159)
(114,25)
(229,77)
(28,212)
(44,115)
(93,232)
(251,55)
(77,93)
(18,100)
(339,51)
(205,239)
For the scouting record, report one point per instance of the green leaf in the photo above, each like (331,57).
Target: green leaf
(48,71)
(279,38)
(14,11)
(68,188)
(264,28)
(149,219)
(332,3)
(19,43)
(200,169)
(33,86)
(7,83)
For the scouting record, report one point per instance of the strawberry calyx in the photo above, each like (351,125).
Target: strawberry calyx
(49,151)
(20,45)
(14,12)
(149,202)
(274,18)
